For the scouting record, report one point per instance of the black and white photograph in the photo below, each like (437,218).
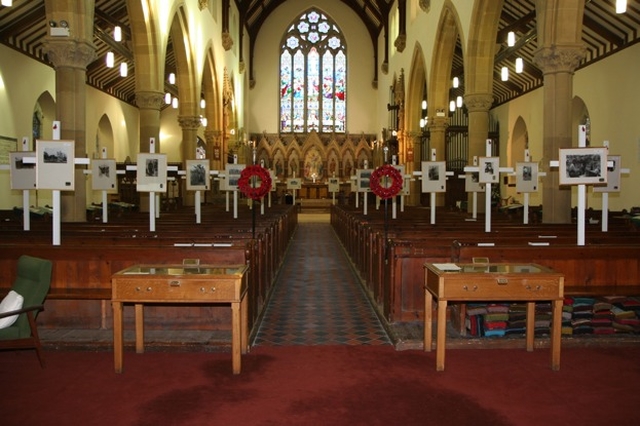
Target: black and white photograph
(334,184)
(614,166)
(197,175)
(472,182)
(489,169)
(103,174)
(23,175)
(233,175)
(55,165)
(586,166)
(364,179)
(294,183)
(434,177)
(151,172)
(526,177)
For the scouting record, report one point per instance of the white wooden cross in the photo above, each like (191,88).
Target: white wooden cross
(441,182)
(489,173)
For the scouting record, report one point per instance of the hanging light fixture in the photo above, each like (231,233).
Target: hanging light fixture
(172,78)
(174,103)
(621,6)
(456,82)
(511,39)
(204,121)
(110,60)
(519,65)
(203,103)
(7,3)
(124,69)
(424,105)
(167,98)
(459,101)
(422,123)
(504,74)
(117,33)
(452,106)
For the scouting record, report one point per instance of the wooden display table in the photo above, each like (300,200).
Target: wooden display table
(142,284)
(491,282)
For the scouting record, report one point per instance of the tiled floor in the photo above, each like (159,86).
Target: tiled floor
(317,299)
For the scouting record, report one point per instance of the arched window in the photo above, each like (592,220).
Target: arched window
(313,71)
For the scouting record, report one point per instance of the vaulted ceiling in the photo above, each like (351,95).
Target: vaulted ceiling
(24,26)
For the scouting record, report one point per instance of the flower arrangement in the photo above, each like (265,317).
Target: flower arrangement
(386,171)
(246,182)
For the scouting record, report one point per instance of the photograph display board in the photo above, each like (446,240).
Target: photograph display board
(103,175)
(233,174)
(197,175)
(55,165)
(613,175)
(364,180)
(152,172)
(23,175)
(527,177)
(583,166)
(472,182)
(434,178)
(294,183)
(489,169)
(334,184)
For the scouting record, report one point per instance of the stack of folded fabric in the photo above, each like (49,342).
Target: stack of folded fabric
(495,320)
(626,314)
(474,319)
(602,320)
(517,319)
(543,318)
(567,316)
(582,315)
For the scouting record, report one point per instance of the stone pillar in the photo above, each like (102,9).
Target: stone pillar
(478,105)
(149,104)
(70,58)
(189,125)
(413,163)
(558,64)
(437,130)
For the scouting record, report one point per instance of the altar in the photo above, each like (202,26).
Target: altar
(314,191)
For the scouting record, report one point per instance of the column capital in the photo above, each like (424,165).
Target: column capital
(438,123)
(149,100)
(188,122)
(478,102)
(554,59)
(69,53)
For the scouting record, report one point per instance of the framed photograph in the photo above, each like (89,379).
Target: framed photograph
(434,178)
(152,172)
(23,175)
(583,166)
(364,179)
(55,165)
(489,169)
(294,183)
(472,182)
(103,175)
(222,182)
(334,184)
(613,175)
(197,175)
(233,174)
(527,177)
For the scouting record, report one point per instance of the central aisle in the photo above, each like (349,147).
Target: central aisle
(317,299)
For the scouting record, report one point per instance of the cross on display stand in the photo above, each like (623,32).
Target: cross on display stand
(434,180)
(334,186)
(473,186)
(614,170)
(488,173)
(527,175)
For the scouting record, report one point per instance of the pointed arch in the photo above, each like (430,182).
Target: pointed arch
(416,89)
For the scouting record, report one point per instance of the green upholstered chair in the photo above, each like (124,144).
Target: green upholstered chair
(32,282)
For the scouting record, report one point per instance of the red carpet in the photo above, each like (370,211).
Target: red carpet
(322,385)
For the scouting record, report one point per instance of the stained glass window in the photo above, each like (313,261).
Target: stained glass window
(313,76)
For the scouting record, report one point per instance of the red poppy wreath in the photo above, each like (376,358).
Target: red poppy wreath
(385,171)
(246,182)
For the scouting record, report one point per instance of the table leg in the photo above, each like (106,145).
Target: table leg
(531,325)
(556,331)
(117,336)
(441,334)
(235,337)
(244,329)
(428,321)
(139,318)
